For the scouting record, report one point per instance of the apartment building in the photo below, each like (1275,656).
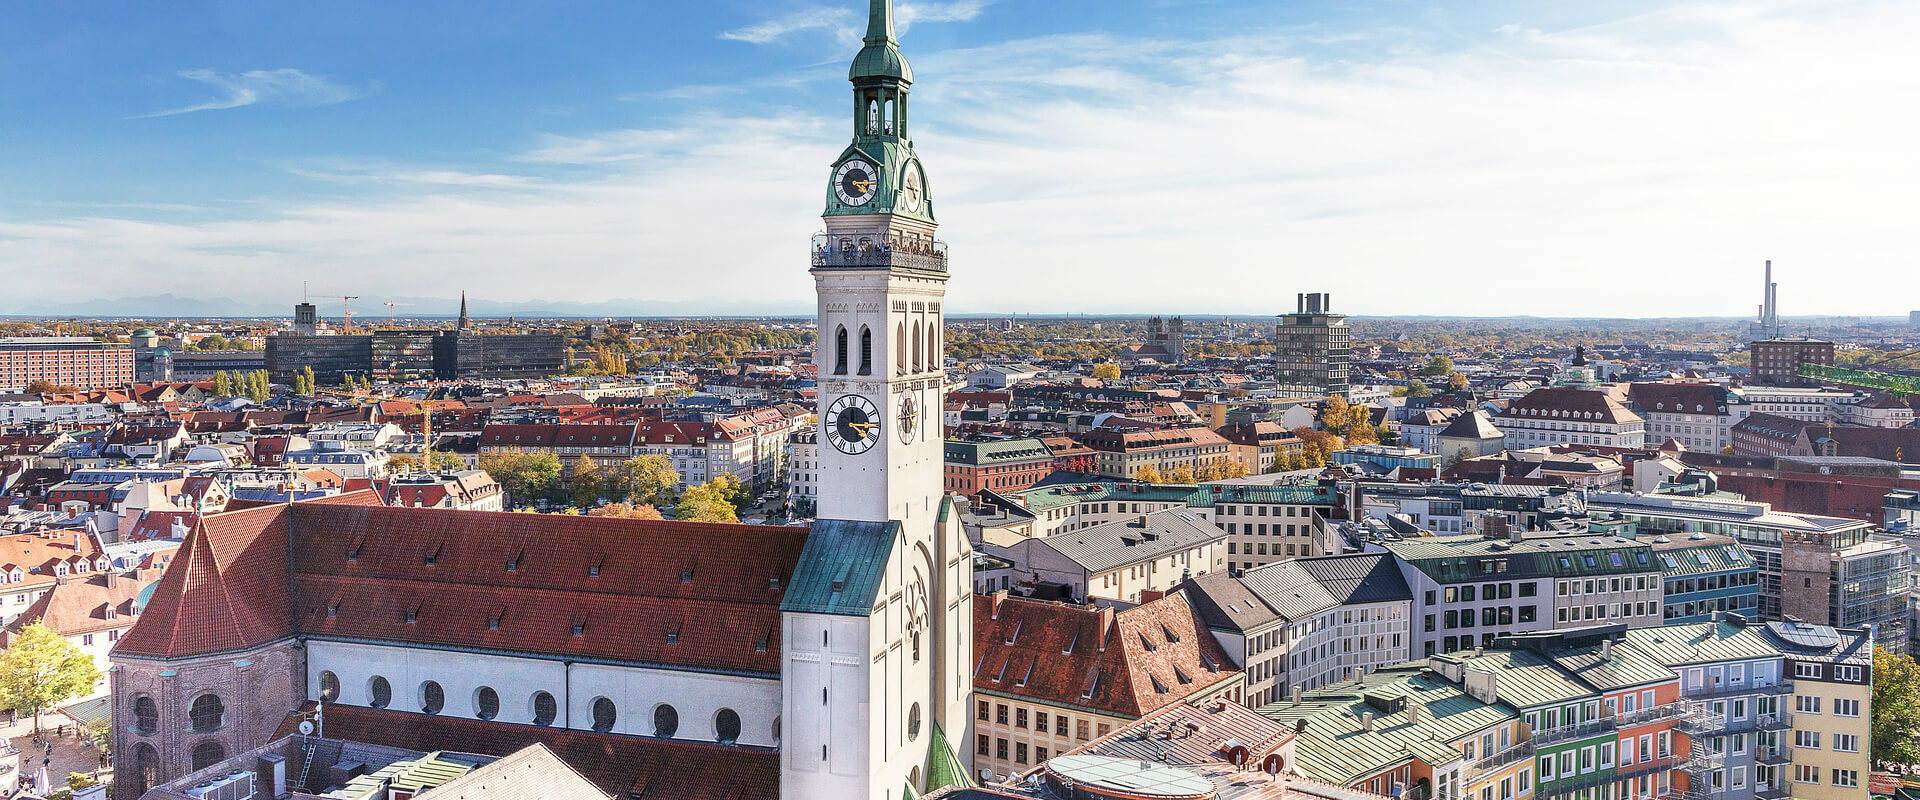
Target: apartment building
(1824,570)
(1123,454)
(1566,415)
(1004,465)
(1145,556)
(1469,591)
(1051,677)
(1307,623)
(1703,710)
(1270,523)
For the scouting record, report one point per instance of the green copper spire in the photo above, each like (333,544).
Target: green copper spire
(880,23)
(880,60)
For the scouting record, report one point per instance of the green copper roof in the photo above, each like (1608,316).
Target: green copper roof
(881,57)
(943,765)
(841,568)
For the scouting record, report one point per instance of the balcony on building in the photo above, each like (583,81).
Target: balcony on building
(863,251)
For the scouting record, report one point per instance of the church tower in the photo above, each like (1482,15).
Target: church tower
(877,622)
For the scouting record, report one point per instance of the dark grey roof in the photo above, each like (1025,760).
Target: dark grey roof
(1290,590)
(1471,426)
(1359,578)
(1224,603)
(1117,544)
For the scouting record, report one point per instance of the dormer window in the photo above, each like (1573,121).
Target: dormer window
(673,637)
(593,570)
(686,575)
(333,610)
(493,620)
(413,615)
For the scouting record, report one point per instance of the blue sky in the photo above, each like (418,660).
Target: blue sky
(1625,158)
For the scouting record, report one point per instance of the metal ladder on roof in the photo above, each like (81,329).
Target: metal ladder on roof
(312,747)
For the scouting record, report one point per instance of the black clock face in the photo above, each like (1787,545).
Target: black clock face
(853,424)
(855,182)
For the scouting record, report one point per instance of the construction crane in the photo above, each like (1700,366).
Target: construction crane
(346,313)
(1897,385)
(390,305)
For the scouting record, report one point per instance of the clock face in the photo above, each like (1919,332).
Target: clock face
(909,418)
(853,424)
(855,182)
(913,189)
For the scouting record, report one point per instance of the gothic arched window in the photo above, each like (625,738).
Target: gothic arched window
(840,351)
(866,350)
(900,349)
(933,344)
(918,364)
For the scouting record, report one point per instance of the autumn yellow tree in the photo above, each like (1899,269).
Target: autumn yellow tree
(1147,473)
(1106,372)
(625,511)
(1180,474)
(1359,428)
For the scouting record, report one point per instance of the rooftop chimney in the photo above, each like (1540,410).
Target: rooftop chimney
(1366,720)
(1106,624)
(997,598)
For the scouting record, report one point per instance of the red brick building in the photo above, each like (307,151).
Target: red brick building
(1007,465)
(1776,362)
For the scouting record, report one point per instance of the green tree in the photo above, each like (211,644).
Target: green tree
(1106,372)
(1417,389)
(643,480)
(525,476)
(40,668)
(1438,366)
(222,384)
(256,386)
(443,461)
(732,490)
(588,483)
(705,503)
(1896,708)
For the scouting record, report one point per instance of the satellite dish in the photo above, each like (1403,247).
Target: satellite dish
(306,727)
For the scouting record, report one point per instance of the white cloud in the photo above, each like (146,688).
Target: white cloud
(278,86)
(812,18)
(1639,167)
(847,27)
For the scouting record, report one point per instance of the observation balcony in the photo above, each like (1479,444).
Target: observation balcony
(862,251)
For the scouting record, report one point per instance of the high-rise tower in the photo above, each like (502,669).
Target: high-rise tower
(877,623)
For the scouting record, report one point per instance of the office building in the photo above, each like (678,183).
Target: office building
(1776,362)
(1312,347)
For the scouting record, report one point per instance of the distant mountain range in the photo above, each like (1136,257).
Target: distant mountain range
(367,310)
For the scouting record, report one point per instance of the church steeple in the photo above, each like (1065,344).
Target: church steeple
(465,322)
(880,22)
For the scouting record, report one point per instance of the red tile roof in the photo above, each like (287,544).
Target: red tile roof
(225,590)
(624,766)
(78,606)
(1123,664)
(693,595)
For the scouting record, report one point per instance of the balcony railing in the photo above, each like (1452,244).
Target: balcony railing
(1650,714)
(850,251)
(1567,733)
(1560,787)
(1715,725)
(1498,761)
(1774,755)
(1764,792)
(1732,690)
